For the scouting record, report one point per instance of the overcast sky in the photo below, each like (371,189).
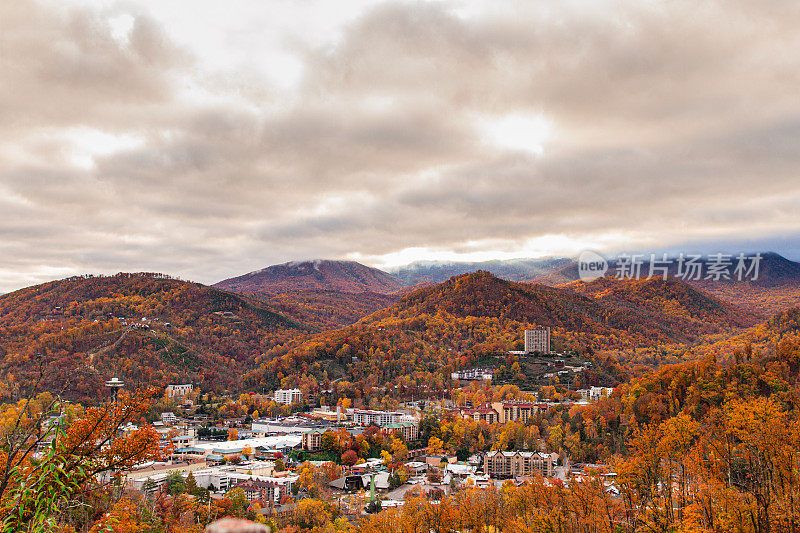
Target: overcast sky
(206,139)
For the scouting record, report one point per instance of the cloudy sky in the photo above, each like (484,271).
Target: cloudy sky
(206,139)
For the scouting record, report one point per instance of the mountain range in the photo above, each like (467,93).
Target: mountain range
(777,287)
(511,269)
(319,274)
(320,320)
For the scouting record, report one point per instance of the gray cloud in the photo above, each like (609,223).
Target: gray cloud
(671,122)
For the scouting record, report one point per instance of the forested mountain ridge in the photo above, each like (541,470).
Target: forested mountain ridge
(73,334)
(665,302)
(434,330)
(343,276)
(326,309)
(510,269)
(776,288)
(671,309)
(81,330)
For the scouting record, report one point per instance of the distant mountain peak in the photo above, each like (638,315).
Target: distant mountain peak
(314,274)
(510,269)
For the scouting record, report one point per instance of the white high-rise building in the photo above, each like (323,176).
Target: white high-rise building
(537,340)
(288,396)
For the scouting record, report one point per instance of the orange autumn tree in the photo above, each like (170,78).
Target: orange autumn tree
(37,479)
(122,518)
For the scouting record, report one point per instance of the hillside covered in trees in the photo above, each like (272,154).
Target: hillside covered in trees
(148,329)
(708,445)
(326,309)
(343,276)
(74,334)
(416,343)
(775,289)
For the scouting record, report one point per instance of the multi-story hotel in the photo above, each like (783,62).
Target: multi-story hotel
(265,493)
(537,340)
(178,390)
(487,414)
(366,417)
(473,374)
(288,396)
(508,411)
(502,412)
(409,430)
(312,441)
(499,464)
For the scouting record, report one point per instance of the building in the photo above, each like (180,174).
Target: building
(178,391)
(224,478)
(328,415)
(186,439)
(487,414)
(312,441)
(281,511)
(537,340)
(288,396)
(287,426)
(499,464)
(473,374)
(416,468)
(409,430)
(265,493)
(283,443)
(365,417)
(516,411)
(188,453)
(438,460)
(168,418)
(595,393)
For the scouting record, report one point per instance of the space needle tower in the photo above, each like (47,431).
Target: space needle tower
(114,384)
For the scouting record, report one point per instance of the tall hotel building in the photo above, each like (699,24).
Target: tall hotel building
(537,340)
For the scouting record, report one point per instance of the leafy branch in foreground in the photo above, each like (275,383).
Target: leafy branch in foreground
(51,452)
